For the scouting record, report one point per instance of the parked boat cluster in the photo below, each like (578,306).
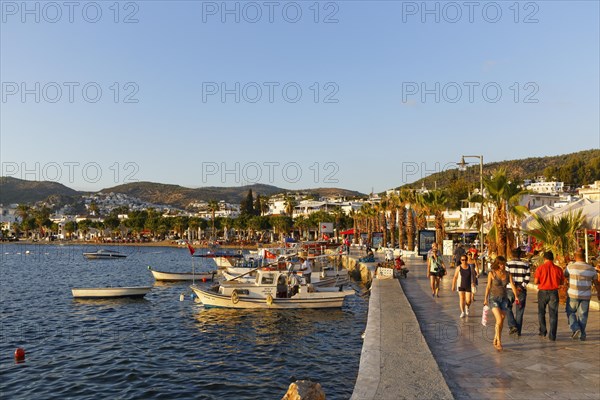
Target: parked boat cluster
(293,277)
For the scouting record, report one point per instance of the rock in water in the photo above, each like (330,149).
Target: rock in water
(304,390)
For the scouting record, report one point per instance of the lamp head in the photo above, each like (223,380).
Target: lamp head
(462,165)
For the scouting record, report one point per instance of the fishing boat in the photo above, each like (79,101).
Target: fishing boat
(222,258)
(110,292)
(182,276)
(270,290)
(245,278)
(103,255)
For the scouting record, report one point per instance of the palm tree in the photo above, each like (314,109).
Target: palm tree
(301,222)
(93,208)
(393,207)
(504,196)
(23,211)
(70,227)
(411,208)
(264,205)
(180,224)
(355,216)
(434,202)
(282,223)
(382,219)
(84,226)
(213,207)
(42,218)
(368,212)
(338,216)
(289,205)
(558,234)
(516,212)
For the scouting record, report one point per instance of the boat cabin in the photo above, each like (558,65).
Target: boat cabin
(267,282)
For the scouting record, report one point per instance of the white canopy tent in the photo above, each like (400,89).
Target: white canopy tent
(590,210)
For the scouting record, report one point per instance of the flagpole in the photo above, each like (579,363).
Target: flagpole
(192,251)
(585,240)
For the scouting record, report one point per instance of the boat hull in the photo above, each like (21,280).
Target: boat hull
(223,262)
(113,292)
(329,299)
(103,255)
(179,276)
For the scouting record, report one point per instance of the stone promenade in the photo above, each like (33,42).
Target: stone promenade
(529,367)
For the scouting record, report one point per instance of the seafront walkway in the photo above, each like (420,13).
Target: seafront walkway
(414,341)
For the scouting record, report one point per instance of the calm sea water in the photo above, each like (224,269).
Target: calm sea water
(158,347)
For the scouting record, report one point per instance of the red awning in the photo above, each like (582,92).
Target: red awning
(348,232)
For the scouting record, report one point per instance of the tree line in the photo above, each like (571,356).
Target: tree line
(396,217)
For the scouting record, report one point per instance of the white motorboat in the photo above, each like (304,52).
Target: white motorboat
(270,290)
(110,292)
(182,276)
(222,258)
(103,255)
(245,278)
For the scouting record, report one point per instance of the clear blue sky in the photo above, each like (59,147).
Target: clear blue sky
(375,61)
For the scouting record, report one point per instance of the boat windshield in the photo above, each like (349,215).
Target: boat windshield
(267,279)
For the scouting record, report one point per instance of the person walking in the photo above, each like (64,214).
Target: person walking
(459,252)
(435,269)
(548,277)
(464,281)
(472,263)
(497,298)
(581,276)
(519,271)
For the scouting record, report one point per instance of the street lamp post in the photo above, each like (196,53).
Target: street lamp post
(462,165)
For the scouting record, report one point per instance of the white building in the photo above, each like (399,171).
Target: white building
(307,207)
(532,200)
(546,187)
(349,206)
(8,216)
(276,206)
(591,192)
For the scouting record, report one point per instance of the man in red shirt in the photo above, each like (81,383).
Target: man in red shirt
(548,277)
(473,250)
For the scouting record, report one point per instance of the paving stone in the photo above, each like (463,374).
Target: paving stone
(530,367)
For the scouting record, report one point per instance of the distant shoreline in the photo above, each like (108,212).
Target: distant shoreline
(164,243)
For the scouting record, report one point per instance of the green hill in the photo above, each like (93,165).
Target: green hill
(13,190)
(573,169)
(159,193)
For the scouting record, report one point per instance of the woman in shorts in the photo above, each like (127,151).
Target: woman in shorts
(464,281)
(435,269)
(496,296)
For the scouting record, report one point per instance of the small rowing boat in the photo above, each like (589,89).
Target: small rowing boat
(110,292)
(182,276)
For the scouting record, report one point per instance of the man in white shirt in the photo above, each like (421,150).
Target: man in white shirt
(294,284)
(582,276)
(306,269)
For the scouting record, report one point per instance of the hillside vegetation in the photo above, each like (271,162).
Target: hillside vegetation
(573,169)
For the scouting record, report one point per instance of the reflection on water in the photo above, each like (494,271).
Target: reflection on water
(105,303)
(158,347)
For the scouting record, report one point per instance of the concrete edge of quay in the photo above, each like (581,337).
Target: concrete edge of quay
(393,366)
(369,372)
